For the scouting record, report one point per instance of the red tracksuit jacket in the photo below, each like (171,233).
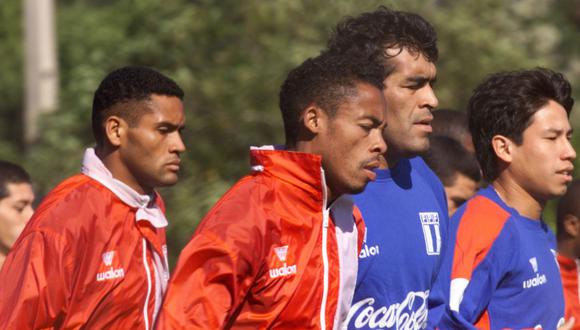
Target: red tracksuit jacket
(270,254)
(82,261)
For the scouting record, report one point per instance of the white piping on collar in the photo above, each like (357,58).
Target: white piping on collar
(94,168)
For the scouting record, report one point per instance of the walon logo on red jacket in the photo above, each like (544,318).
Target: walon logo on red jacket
(109,272)
(282,254)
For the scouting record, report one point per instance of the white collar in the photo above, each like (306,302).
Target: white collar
(94,168)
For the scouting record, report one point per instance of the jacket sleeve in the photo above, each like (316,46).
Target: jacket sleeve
(480,261)
(213,274)
(32,283)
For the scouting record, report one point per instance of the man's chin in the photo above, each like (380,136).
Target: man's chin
(358,189)
(168,181)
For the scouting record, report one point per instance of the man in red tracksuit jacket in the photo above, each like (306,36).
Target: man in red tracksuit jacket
(93,255)
(279,249)
(568,235)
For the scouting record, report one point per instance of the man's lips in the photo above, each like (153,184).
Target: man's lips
(369,169)
(174,165)
(566,172)
(425,123)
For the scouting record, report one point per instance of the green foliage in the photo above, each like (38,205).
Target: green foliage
(231,57)
(11,80)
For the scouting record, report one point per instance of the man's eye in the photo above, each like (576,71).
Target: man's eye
(415,87)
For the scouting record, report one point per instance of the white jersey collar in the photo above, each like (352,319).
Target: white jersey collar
(146,210)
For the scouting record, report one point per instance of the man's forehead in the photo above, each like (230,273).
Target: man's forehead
(19,190)
(411,63)
(164,108)
(366,103)
(552,117)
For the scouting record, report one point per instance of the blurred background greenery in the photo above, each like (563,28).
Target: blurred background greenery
(230,57)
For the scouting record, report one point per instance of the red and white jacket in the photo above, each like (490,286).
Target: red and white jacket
(93,256)
(570,272)
(270,254)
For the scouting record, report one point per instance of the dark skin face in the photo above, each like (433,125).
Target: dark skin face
(146,155)
(350,141)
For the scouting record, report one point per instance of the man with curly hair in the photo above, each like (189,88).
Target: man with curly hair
(279,249)
(405,209)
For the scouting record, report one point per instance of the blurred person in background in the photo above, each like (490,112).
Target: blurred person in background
(568,234)
(279,250)
(503,270)
(405,209)
(16,198)
(453,123)
(456,167)
(94,255)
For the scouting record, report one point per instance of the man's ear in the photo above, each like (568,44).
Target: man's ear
(314,119)
(503,148)
(115,128)
(571,225)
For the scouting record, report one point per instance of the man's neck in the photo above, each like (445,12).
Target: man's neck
(517,197)
(307,147)
(119,171)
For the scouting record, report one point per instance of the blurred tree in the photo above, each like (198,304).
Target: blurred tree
(11,81)
(231,57)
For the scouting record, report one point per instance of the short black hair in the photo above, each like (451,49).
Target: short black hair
(325,80)
(447,157)
(11,173)
(504,103)
(568,205)
(450,123)
(123,86)
(370,34)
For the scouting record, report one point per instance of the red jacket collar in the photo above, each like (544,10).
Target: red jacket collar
(566,262)
(300,169)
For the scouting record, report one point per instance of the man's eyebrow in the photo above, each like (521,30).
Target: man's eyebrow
(375,120)
(560,130)
(422,79)
(170,125)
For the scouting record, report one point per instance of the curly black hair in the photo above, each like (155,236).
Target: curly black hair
(326,80)
(504,103)
(11,173)
(125,86)
(370,34)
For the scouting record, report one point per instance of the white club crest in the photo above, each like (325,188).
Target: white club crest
(430,225)
(534,264)
(281,252)
(108,257)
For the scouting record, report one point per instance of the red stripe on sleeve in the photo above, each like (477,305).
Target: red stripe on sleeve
(480,225)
